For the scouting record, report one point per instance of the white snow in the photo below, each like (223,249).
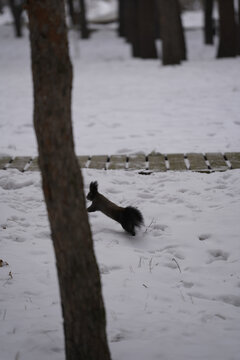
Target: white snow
(132,105)
(173,291)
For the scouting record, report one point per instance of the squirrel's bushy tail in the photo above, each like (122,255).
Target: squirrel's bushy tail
(131,218)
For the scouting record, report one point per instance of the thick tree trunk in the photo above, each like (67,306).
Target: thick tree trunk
(80,287)
(208,22)
(147,29)
(228,29)
(172,35)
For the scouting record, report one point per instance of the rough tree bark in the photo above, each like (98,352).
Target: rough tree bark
(172,34)
(79,280)
(228,30)
(208,22)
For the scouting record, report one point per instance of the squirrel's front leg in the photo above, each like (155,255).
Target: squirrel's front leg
(91,208)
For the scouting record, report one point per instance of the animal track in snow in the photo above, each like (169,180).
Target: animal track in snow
(217,254)
(104,269)
(187,284)
(160,227)
(204,237)
(19,239)
(229,299)
(177,254)
(113,190)
(183,190)
(42,234)
(145,196)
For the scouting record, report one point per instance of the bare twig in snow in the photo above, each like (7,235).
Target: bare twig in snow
(149,225)
(173,259)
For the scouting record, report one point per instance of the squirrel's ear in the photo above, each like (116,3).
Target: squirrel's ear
(94,187)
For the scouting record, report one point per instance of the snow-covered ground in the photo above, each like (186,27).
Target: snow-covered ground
(173,291)
(132,105)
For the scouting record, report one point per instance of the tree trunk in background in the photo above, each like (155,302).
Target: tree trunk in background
(182,40)
(147,29)
(17,9)
(121,18)
(132,30)
(127,18)
(79,280)
(238,44)
(208,22)
(228,31)
(83,21)
(140,29)
(71,12)
(172,35)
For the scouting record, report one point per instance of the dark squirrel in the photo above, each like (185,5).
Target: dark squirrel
(129,217)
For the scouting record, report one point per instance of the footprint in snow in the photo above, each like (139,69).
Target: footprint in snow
(204,237)
(145,196)
(229,299)
(187,284)
(104,269)
(19,239)
(217,254)
(161,227)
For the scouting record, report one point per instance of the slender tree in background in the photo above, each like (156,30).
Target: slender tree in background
(16,7)
(77,13)
(171,30)
(83,20)
(71,12)
(208,21)
(1,7)
(121,18)
(79,280)
(147,29)
(238,42)
(131,25)
(228,29)
(137,22)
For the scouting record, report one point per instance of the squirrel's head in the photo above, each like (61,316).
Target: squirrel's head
(93,190)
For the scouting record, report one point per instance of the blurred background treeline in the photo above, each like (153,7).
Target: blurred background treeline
(144,24)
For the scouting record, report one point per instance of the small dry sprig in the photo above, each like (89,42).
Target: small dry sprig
(149,225)
(173,259)
(150,264)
